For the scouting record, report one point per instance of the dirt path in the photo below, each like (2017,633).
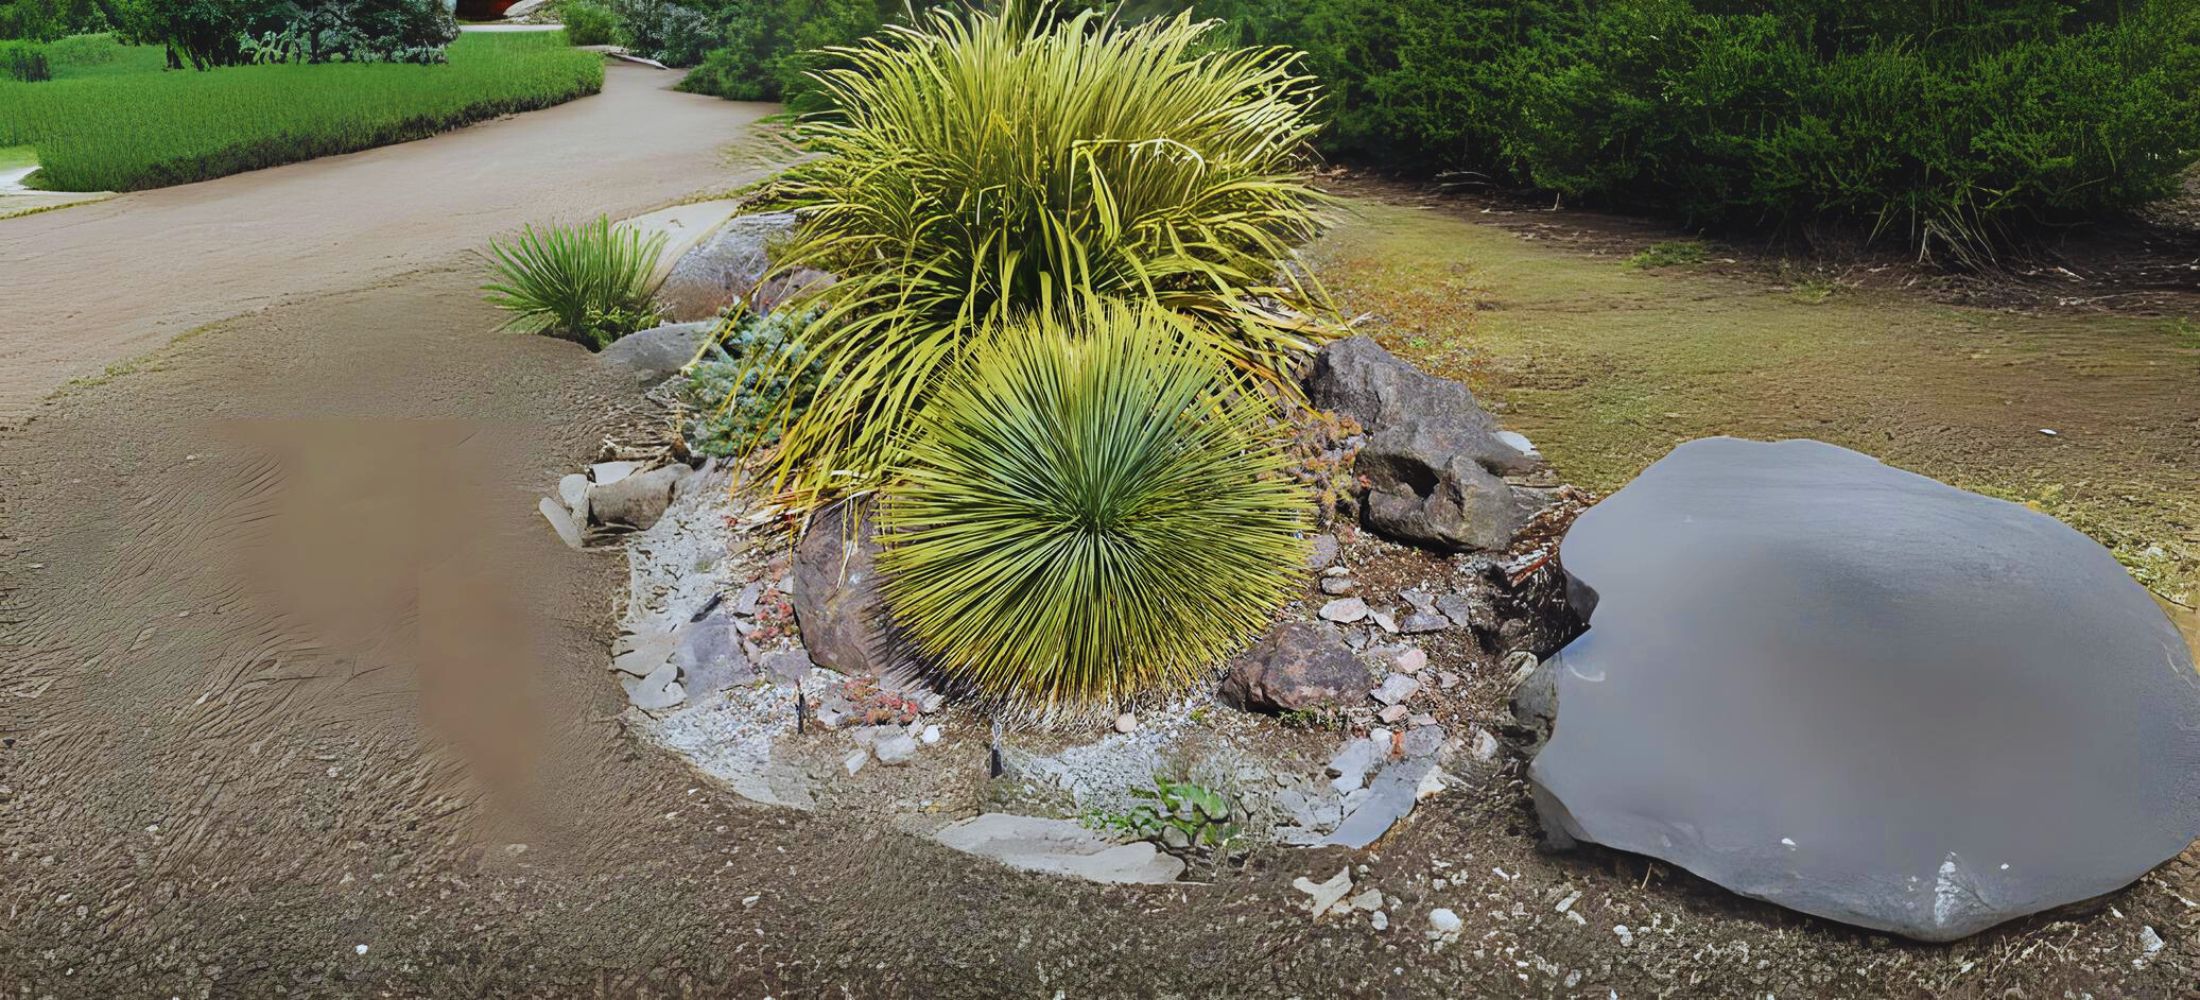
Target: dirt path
(92,285)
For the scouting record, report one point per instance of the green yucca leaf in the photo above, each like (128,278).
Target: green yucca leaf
(982,168)
(591,283)
(1090,515)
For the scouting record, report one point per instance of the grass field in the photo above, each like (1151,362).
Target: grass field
(1607,364)
(114,119)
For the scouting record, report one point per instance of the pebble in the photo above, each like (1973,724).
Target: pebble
(1336,586)
(1412,661)
(1393,713)
(1626,937)
(1384,621)
(1345,611)
(1395,689)
(1379,920)
(931,734)
(1422,622)
(1126,722)
(1444,922)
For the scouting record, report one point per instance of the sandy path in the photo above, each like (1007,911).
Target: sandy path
(88,286)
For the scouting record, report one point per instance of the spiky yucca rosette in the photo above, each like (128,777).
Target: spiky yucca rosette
(1089,516)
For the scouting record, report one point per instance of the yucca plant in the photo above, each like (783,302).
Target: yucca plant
(1089,515)
(591,283)
(980,168)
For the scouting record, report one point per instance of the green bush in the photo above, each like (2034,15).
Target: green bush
(981,171)
(737,408)
(587,23)
(591,283)
(768,47)
(1090,515)
(46,20)
(136,127)
(671,33)
(25,62)
(1952,124)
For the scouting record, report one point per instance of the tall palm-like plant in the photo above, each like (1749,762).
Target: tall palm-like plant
(982,168)
(1085,516)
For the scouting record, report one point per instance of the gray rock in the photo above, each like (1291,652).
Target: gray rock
(724,267)
(1469,611)
(1296,666)
(710,657)
(652,356)
(1420,600)
(636,500)
(1060,847)
(1435,462)
(898,748)
(1421,623)
(1442,485)
(1395,688)
(658,691)
(1390,798)
(606,473)
(1423,741)
(788,666)
(1354,760)
(573,489)
(745,602)
(561,521)
(835,594)
(1345,611)
(1856,692)
(1321,552)
(1336,586)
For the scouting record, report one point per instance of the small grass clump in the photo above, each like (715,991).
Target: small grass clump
(1670,253)
(982,169)
(1088,516)
(119,123)
(590,284)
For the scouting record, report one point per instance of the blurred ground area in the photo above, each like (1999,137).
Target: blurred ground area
(1607,364)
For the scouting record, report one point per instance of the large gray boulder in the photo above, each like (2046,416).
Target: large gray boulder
(1297,666)
(652,356)
(836,597)
(1863,694)
(724,267)
(1435,462)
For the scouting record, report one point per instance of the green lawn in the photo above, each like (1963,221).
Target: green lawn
(1607,364)
(114,119)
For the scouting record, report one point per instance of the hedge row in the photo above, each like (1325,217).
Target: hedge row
(1951,123)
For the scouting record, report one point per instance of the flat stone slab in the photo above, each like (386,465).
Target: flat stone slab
(1863,694)
(1060,847)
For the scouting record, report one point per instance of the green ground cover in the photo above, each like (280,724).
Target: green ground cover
(113,119)
(1607,365)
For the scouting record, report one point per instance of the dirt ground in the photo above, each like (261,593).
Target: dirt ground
(91,285)
(299,698)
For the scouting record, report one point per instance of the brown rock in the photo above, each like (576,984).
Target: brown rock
(1296,666)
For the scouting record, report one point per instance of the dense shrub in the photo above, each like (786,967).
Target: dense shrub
(985,170)
(591,283)
(587,23)
(671,33)
(318,31)
(768,47)
(1949,124)
(25,61)
(1090,514)
(46,20)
